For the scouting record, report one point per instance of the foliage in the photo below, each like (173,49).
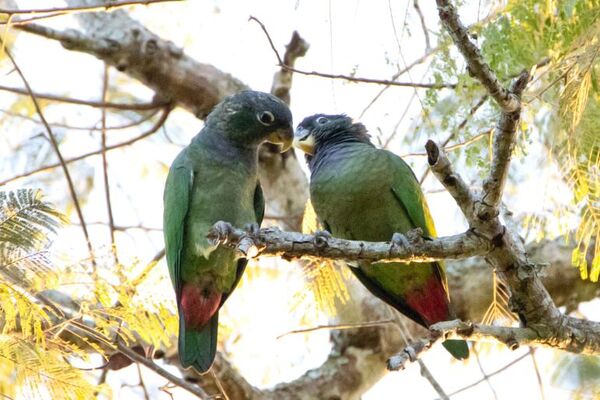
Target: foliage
(325,279)
(54,317)
(562,102)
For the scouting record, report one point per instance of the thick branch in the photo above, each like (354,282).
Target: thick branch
(504,143)
(529,298)
(454,184)
(512,337)
(412,248)
(282,81)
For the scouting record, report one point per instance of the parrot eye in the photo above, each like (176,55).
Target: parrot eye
(321,120)
(265,117)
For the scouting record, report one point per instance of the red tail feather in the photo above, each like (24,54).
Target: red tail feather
(430,302)
(198,305)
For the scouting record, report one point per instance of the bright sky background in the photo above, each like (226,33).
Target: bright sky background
(343,36)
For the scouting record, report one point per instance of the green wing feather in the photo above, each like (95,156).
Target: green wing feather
(413,202)
(176,200)
(407,190)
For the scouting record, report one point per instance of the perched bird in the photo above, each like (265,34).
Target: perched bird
(360,192)
(215,179)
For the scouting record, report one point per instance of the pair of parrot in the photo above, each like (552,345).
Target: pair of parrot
(358,192)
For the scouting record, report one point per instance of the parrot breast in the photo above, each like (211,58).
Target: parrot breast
(198,305)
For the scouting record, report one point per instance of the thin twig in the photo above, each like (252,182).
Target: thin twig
(537,373)
(58,154)
(485,376)
(84,128)
(84,8)
(423,25)
(338,327)
(455,146)
(111,221)
(426,373)
(460,127)
(195,390)
(348,77)
(90,103)
(496,372)
(151,131)
(142,384)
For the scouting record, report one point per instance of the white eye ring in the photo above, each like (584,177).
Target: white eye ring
(321,120)
(265,117)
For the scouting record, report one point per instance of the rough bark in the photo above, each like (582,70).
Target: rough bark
(403,248)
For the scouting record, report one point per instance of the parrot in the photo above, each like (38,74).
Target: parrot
(360,192)
(215,179)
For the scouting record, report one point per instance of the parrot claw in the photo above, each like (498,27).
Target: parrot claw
(400,240)
(252,229)
(321,239)
(220,232)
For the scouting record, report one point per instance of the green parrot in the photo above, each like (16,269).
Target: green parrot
(215,179)
(360,192)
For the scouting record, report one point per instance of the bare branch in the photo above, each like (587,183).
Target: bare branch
(194,389)
(423,25)
(504,143)
(71,10)
(338,327)
(129,46)
(512,337)
(282,82)
(111,221)
(160,122)
(90,103)
(349,78)
(413,248)
(84,128)
(58,154)
(476,65)
(442,169)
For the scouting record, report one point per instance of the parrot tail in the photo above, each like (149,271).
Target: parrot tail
(198,347)
(458,348)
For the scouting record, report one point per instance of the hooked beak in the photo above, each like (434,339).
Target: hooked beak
(283,136)
(304,140)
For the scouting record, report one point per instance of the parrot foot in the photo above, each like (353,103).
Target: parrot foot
(247,243)
(252,229)
(400,240)
(412,237)
(220,232)
(321,239)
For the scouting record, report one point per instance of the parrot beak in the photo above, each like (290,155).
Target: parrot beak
(283,136)
(304,140)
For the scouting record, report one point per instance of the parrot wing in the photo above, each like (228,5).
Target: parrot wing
(177,201)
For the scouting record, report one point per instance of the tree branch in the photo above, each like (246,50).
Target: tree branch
(160,122)
(56,148)
(281,63)
(512,337)
(90,103)
(90,8)
(529,298)
(288,245)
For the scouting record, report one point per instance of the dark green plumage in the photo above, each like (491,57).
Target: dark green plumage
(215,178)
(363,193)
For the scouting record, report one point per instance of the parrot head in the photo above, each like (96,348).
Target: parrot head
(249,118)
(319,129)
